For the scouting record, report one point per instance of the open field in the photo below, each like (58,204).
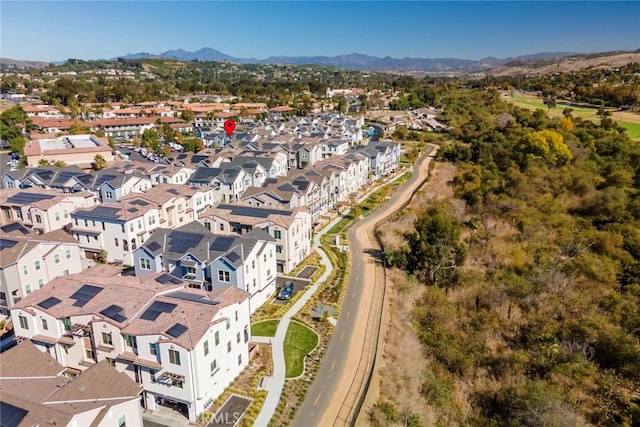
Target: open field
(626,119)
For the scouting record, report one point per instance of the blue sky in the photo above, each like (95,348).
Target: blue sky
(56,30)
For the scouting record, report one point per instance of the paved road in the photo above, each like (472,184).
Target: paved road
(331,387)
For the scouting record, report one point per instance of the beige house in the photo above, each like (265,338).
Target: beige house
(39,391)
(291,229)
(29,261)
(41,209)
(77,150)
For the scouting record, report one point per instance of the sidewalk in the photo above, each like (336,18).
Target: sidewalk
(276,382)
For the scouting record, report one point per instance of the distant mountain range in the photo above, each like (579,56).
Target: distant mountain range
(354,61)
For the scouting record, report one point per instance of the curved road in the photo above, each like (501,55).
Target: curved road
(331,387)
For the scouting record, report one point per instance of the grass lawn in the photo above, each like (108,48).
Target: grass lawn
(265,329)
(633,129)
(298,342)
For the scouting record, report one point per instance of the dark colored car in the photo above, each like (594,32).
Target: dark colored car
(286,291)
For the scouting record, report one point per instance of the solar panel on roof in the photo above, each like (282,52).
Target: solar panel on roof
(104,212)
(233,257)
(132,210)
(166,278)
(114,312)
(154,246)
(6,243)
(221,243)
(49,302)
(188,296)
(139,202)
(173,191)
(63,177)
(85,294)
(181,241)
(23,198)
(156,309)
(13,227)
(176,330)
(45,175)
(255,212)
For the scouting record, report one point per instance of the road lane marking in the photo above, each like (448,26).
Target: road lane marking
(333,364)
(317,398)
(353,295)
(348,313)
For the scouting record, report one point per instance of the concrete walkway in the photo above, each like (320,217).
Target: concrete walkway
(276,382)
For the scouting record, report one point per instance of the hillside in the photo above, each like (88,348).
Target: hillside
(566,64)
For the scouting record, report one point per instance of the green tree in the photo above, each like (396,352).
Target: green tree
(151,140)
(434,249)
(59,163)
(99,162)
(43,162)
(546,145)
(550,102)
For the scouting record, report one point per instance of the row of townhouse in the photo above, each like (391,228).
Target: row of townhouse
(184,346)
(28,261)
(42,210)
(119,228)
(37,391)
(290,229)
(207,260)
(107,185)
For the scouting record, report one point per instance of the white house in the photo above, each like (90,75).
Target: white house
(184,346)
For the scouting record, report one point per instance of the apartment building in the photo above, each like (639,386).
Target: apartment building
(291,229)
(29,261)
(184,346)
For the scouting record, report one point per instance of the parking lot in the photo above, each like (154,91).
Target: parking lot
(298,285)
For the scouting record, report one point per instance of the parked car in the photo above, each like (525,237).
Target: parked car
(286,291)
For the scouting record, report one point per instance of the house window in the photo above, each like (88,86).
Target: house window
(179,384)
(67,254)
(37,265)
(229,347)
(56,259)
(65,272)
(130,340)
(223,276)
(139,224)
(236,315)
(57,216)
(152,220)
(239,359)
(27,289)
(227,322)
(25,270)
(152,375)
(217,338)
(277,234)
(111,361)
(174,357)
(24,324)
(206,347)
(108,194)
(75,220)
(67,323)
(278,249)
(116,241)
(152,349)
(253,264)
(104,227)
(88,353)
(145,264)
(133,244)
(66,215)
(207,225)
(40,283)
(86,223)
(221,227)
(130,227)
(107,338)
(238,338)
(125,244)
(214,367)
(38,219)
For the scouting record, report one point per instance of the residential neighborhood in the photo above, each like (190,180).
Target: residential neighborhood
(152,265)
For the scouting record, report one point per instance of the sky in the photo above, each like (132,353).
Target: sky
(57,30)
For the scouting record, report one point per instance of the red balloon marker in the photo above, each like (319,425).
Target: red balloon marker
(229,126)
